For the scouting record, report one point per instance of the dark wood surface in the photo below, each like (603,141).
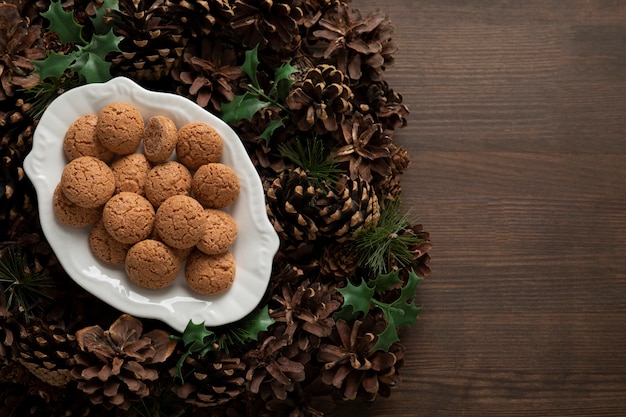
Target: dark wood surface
(517,136)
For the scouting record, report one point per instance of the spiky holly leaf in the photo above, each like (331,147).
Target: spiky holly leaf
(63,24)
(356,299)
(99,23)
(102,45)
(251,326)
(251,64)
(242,107)
(195,335)
(282,81)
(270,128)
(55,65)
(385,282)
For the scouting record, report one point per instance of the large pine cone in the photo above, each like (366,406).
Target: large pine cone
(304,214)
(116,366)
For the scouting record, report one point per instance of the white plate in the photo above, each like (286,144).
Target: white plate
(175,305)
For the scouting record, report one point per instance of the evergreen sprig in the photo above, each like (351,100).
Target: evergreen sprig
(385,245)
(311,155)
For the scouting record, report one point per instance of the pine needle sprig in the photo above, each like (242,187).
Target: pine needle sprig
(24,287)
(383,246)
(311,155)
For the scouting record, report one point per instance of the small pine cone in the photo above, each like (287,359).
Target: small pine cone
(385,104)
(20,42)
(47,352)
(303,213)
(152,41)
(352,367)
(270,24)
(212,381)
(313,10)
(116,367)
(10,331)
(320,100)
(421,257)
(359,47)
(389,187)
(338,261)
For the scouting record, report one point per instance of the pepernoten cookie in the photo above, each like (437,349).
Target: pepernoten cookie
(87,182)
(80,140)
(70,214)
(131,173)
(120,127)
(105,247)
(210,274)
(167,180)
(128,217)
(159,139)
(215,185)
(151,264)
(198,144)
(180,222)
(220,234)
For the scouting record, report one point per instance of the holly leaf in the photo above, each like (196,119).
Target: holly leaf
(194,336)
(251,326)
(63,24)
(385,282)
(94,69)
(282,81)
(405,310)
(356,299)
(242,107)
(270,128)
(388,337)
(101,45)
(250,65)
(54,65)
(100,25)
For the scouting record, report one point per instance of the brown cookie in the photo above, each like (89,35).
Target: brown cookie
(131,172)
(120,128)
(151,264)
(198,144)
(180,222)
(105,247)
(215,185)
(70,214)
(210,274)
(80,140)
(159,139)
(87,181)
(220,234)
(128,217)
(166,180)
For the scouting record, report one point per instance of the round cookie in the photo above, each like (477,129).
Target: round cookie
(128,217)
(80,140)
(159,139)
(220,234)
(215,185)
(70,214)
(131,172)
(120,127)
(105,247)
(210,274)
(198,144)
(151,264)
(166,180)
(87,181)
(180,222)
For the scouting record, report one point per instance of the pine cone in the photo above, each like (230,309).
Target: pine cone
(304,214)
(360,48)
(208,74)
(320,100)
(46,351)
(115,367)
(153,40)
(20,42)
(338,261)
(365,148)
(270,24)
(380,100)
(212,381)
(351,366)
(10,331)
(313,10)
(200,18)
(389,187)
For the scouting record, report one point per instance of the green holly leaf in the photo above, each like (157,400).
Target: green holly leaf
(388,337)
(242,107)
(405,310)
(100,25)
(63,24)
(356,299)
(385,282)
(270,128)
(252,325)
(101,45)
(195,335)
(94,69)
(250,65)
(282,81)
(54,65)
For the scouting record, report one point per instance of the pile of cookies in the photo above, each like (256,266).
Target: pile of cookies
(149,211)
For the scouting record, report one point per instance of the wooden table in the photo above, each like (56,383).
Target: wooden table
(517,136)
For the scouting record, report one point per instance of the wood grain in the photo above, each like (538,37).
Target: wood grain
(517,139)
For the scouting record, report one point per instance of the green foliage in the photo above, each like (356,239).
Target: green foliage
(245,106)
(88,59)
(384,246)
(23,287)
(199,340)
(358,299)
(311,155)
